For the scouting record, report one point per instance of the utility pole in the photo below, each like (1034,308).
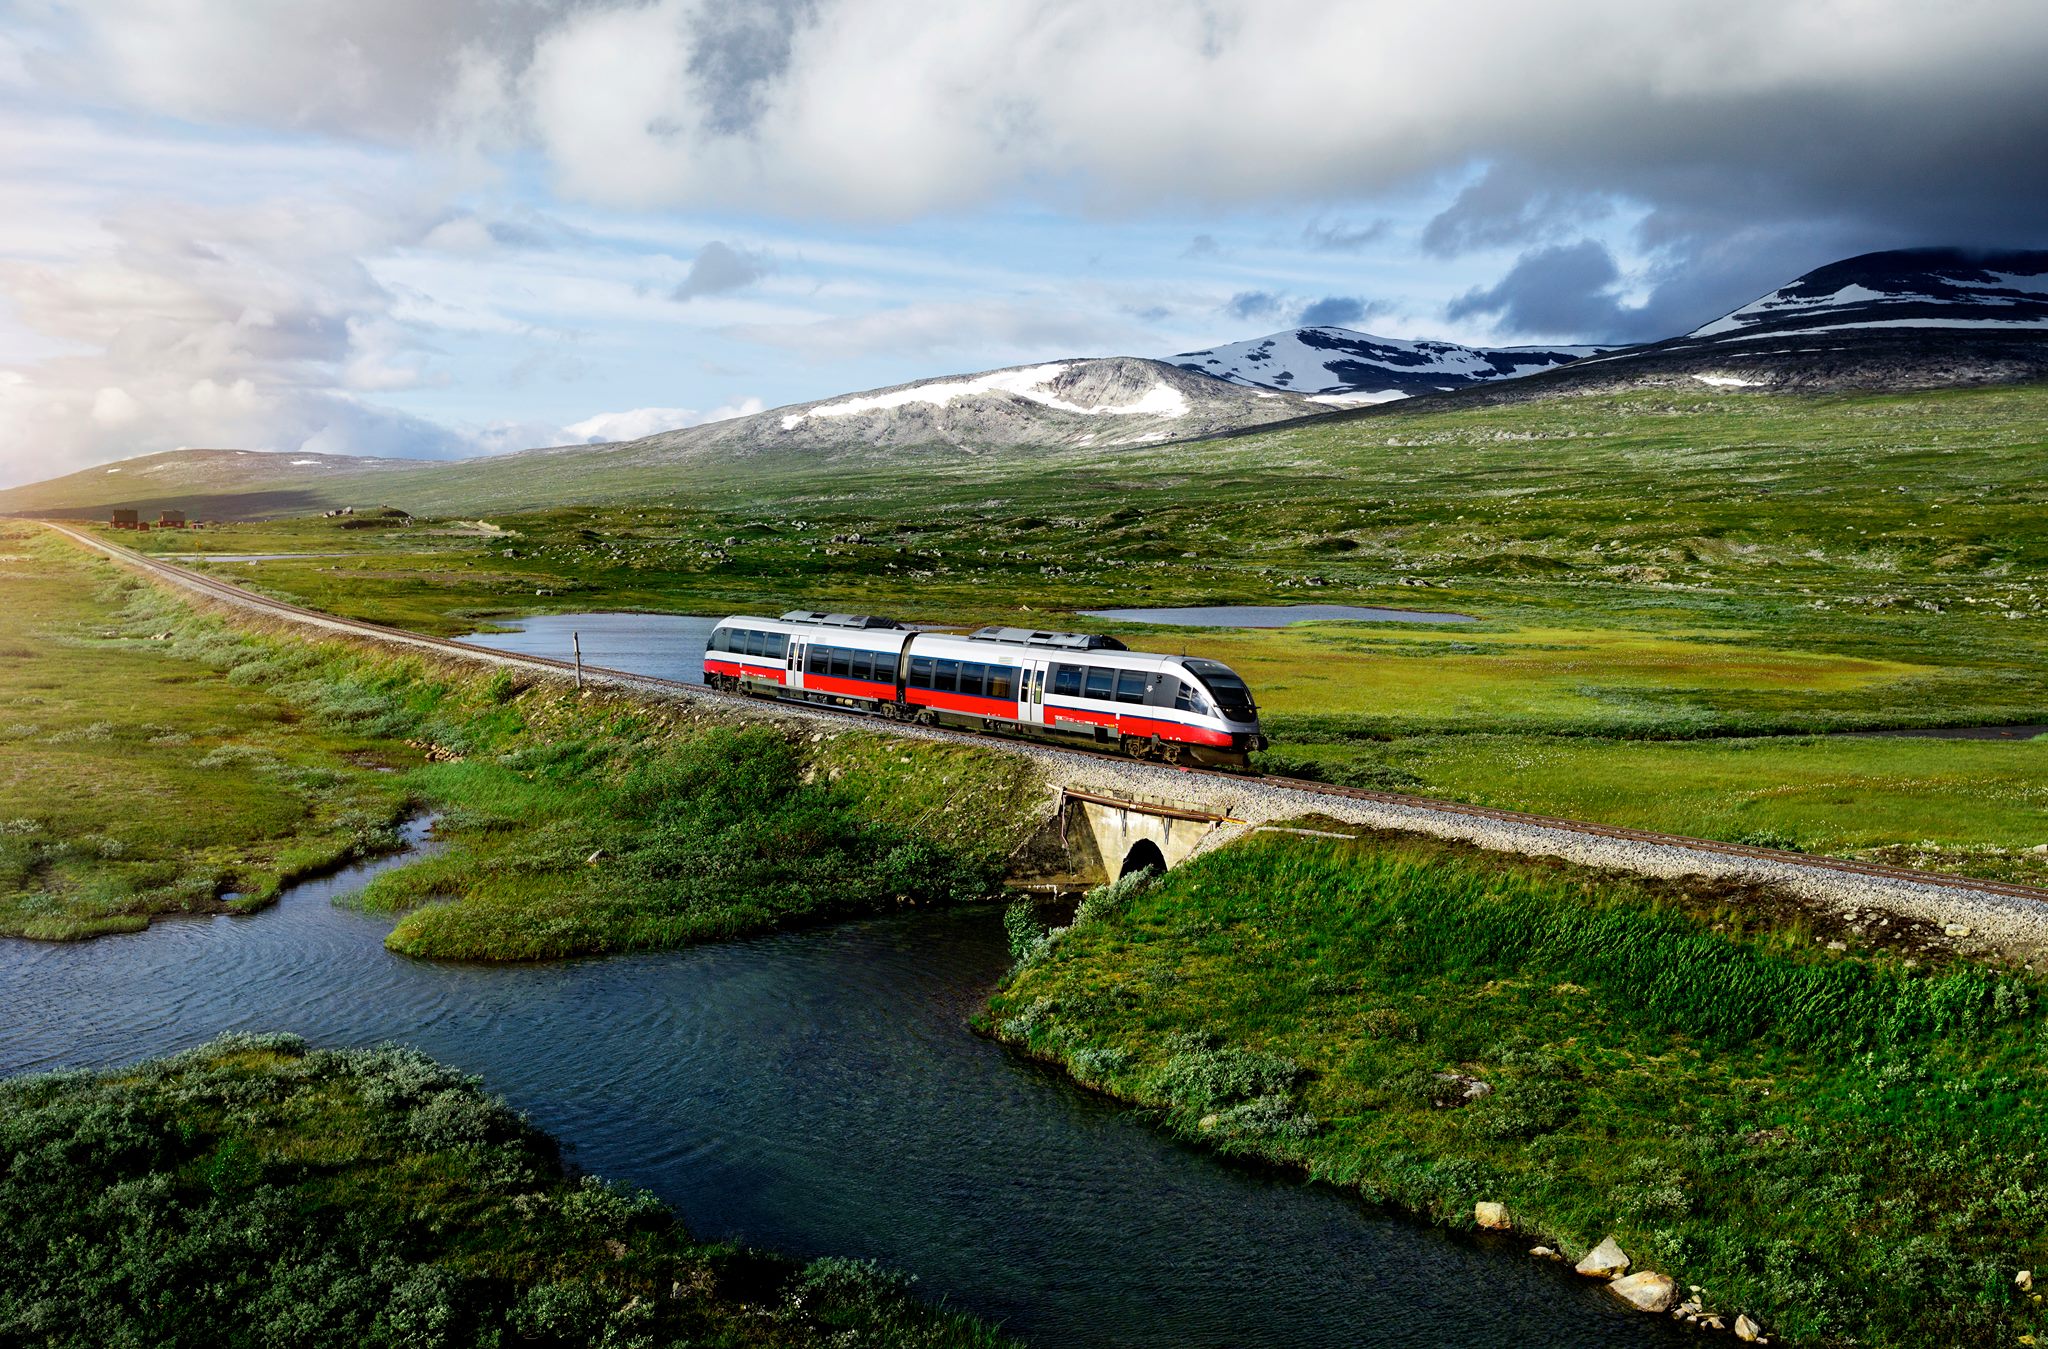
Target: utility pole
(577,638)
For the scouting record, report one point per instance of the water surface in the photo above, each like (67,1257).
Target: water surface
(667,646)
(819,1092)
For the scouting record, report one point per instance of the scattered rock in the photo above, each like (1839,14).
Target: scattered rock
(1957,929)
(1648,1291)
(1544,1253)
(1491,1215)
(2025,1280)
(1747,1330)
(594,858)
(1604,1261)
(1459,1089)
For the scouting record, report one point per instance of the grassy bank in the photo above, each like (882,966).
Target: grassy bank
(136,781)
(1842,1143)
(256,1192)
(575,824)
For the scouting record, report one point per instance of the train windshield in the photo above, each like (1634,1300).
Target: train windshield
(1225,688)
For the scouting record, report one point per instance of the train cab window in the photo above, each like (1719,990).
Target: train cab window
(1066,680)
(947,677)
(920,672)
(1101,683)
(1190,700)
(999,681)
(1130,686)
(971,678)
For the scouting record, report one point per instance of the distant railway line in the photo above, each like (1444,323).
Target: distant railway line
(1997,914)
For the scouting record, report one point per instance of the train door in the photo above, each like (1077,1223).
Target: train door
(795,677)
(1031,698)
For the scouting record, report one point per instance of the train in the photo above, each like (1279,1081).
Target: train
(1066,687)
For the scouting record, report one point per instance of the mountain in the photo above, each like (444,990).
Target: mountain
(1078,405)
(1104,402)
(1337,365)
(1905,319)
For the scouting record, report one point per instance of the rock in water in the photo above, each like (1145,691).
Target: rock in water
(1648,1291)
(1491,1215)
(1747,1330)
(1604,1261)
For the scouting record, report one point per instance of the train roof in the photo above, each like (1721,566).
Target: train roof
(1060,641)
(816,619)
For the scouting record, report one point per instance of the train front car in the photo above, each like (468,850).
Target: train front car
(1172,709)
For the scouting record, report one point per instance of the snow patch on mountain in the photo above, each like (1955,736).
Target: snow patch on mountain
(1904,288)
(1032,383)
(1339,364)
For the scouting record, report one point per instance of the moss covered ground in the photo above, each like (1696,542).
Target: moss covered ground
(257,1192)
(1834,1130)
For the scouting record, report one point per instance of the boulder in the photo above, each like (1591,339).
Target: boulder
(1604,1261)
(1747,1330)
(2024,1280)
(1490,1215)
(1648,1291)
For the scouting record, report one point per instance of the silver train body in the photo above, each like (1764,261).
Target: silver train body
(1074,687)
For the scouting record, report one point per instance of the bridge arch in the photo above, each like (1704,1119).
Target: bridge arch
(1144,855)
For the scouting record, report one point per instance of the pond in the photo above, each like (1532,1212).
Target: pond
(667,646)
(1273,615)
(820,1092)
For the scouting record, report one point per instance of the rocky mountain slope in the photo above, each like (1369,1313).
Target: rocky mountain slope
(1339,366)
(197,479)
(1906,319)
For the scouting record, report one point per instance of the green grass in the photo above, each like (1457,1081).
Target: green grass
(254,1192)
(574,824)
(1972,807)
(136,781)
(1843,1144)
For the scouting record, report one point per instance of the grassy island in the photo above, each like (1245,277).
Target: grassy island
(257,1192)
(1831,1126)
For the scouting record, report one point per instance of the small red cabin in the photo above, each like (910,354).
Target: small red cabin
(125,520)
(170,520)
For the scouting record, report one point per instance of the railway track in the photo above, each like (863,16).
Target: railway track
(1311,793)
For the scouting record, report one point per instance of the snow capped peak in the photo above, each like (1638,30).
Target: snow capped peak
(1033,383)
(1340,365)
(1905,288)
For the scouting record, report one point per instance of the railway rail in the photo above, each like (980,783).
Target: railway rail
(1310,793)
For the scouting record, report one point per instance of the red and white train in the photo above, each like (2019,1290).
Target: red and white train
(1177,709)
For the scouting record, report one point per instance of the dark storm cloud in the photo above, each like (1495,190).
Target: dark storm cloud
(1336,311)
(1253,304)
(1567,290)
(1505,207)
(720,267)
(740,49)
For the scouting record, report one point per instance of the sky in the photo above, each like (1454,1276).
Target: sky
(394,228)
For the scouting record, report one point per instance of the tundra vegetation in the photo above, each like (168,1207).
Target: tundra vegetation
(255,1191)
(1832,1135)
(169,760)
(1673,589)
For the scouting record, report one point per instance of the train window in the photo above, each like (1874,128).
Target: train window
(970,678)
(863,665)
(778,645)
(920,672)
(1000,681)
(947,678)
(1130,686)
(1101,683)
(717,642)
(1066,680)
(838,658)
(1225,687)
(1188,700)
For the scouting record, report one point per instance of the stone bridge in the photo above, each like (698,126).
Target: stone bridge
(1093,838)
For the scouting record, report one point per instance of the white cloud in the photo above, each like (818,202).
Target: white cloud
(993,331)
(632,425)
